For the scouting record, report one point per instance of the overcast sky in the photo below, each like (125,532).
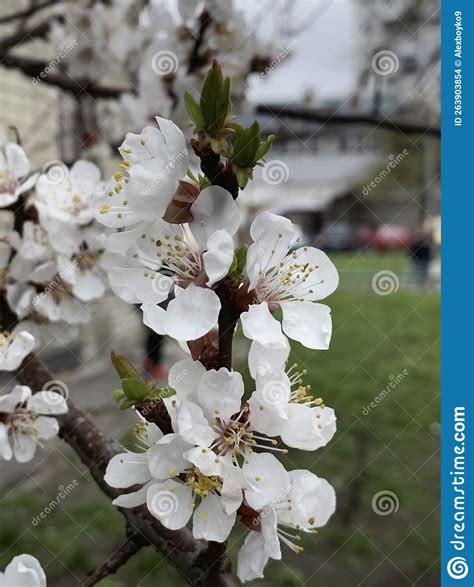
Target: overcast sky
(324,58)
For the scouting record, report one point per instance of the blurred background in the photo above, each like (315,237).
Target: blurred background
(350,88)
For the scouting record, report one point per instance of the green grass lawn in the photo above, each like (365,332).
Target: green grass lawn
(392,447)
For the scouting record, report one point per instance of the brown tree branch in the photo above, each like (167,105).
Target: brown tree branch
(228,318)
(334,118)
(215,171)
(195,59)
(22,36)
(37,70)
(30,11)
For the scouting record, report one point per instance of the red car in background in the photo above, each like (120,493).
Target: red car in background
(392,236)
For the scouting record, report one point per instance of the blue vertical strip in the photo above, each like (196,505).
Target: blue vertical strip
(457,21)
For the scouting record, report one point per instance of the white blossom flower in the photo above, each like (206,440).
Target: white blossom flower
(25,419)
(308,505)
(194,258)
(290,280)
(23,570)
(14,348)
(172,485)
(14,169)
(209,456)
(282,406)
(33,244)
(65,196)
(153,163)
(221,432)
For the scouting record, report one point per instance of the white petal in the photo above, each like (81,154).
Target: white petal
(259,324)
(308,322)
(172,503)
(17,161)
(269,476)
(308,428)
(134,498)
(84,177)
(89,286)
(47,403)
(46,427)
(264,419)
(127,469)
(5,448)
(24,447)
(18,395)
(214,209)
(206,460)
(143,146)
(263,358)
(218,256)
(273,236)
(175,145)
(313,501)
(165,458)
(320,282)
(25,571)
(252,558)
(220,393)
(137,285)
(194,426)
(21,345)
(269,529)
(188,317)
(273,388)
(184,377)
(210,521)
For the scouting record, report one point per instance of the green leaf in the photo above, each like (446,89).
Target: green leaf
(222,105)
(160,392)
(264,148)
(123,366)
(238,262)
(135,389)
(209,95)
(214,104)
(194,110)
(246,142)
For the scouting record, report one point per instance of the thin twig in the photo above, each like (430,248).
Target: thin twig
(116,560)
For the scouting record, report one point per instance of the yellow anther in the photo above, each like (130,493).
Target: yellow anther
(105,208)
